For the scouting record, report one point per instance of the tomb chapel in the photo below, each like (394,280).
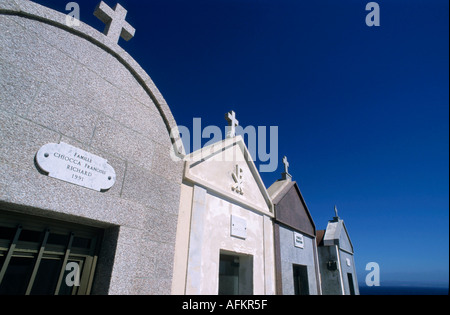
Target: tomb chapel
(296,258)
(336,259)
(224,241)
(89,194)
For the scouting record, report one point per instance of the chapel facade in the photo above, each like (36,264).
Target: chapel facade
(225,231)
(296,258)
(336,258)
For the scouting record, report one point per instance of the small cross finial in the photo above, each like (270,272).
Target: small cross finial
(286,165)
(335,212)
(286,175)
(116,26)
(232,122)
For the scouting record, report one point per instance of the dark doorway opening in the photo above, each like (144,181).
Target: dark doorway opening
(350,283)
(301,285)
(235,274)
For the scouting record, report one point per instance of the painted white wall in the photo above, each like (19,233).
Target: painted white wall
(207,204)
(210,234)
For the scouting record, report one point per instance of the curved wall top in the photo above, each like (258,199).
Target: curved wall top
(38,12)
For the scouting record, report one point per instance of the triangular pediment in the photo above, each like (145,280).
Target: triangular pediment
(337,234)
(290,207)
(227,169)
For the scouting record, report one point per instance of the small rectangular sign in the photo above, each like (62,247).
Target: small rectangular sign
(298,240)
(238,227)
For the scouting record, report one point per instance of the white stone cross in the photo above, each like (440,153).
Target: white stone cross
(116,26)
(232,122)
(336,211)
(286,165)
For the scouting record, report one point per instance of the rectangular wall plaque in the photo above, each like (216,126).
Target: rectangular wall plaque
(299,240)
(76,166)
(238,227)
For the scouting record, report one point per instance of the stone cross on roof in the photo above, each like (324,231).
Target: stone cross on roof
(232,122)
(116,26)
(286,165)
(336,212)
(286,175)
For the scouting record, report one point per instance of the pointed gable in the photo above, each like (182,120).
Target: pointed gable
(227,169)
(290,207)
(337,234)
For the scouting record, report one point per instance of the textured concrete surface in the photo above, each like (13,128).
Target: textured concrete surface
(337,247)
(291,255)
(75,85)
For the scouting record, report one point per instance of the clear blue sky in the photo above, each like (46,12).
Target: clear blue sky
(363,112)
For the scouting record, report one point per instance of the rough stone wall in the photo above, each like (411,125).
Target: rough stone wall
(74,86)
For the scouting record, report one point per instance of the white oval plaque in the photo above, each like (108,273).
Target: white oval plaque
(76,166)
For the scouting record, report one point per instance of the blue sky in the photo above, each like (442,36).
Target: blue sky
(362,112)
